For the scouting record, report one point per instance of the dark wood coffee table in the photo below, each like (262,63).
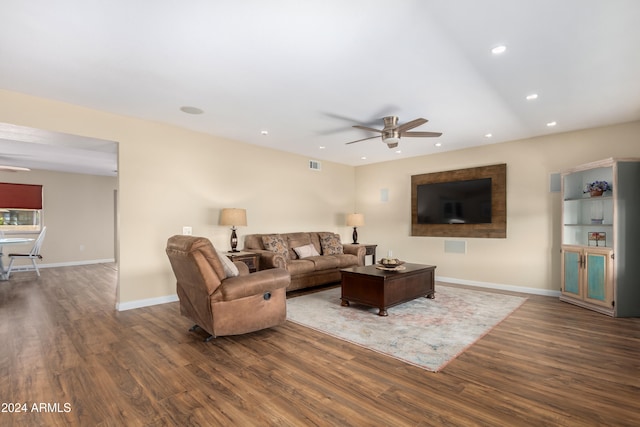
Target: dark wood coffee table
(371,286)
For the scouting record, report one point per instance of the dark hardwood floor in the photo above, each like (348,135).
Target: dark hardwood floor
(65,349)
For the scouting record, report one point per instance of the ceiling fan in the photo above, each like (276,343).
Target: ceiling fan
(392,131)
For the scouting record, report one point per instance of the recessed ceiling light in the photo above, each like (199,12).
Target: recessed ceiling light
(322,147)
(499,49)
(532,96)
(191,110)
(398,151)
(264,132)
(488,135)
(551,124)
(363,158)
(438,144)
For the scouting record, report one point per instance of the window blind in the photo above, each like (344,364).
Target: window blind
(20,196)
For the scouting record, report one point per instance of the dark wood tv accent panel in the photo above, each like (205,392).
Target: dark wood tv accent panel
(498,226)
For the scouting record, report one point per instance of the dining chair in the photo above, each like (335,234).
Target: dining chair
(33,254)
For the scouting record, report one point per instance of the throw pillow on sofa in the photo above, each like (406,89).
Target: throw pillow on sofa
(306,251)
(330,244)
(275,243)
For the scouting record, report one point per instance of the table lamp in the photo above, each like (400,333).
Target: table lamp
(355,220)
(233,217)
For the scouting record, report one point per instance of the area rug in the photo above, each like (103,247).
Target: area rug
(428,333)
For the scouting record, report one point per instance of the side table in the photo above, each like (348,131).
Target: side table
(250,258)
(370,250)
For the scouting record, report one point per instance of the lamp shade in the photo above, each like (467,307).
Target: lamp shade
(355,220)
(233,216)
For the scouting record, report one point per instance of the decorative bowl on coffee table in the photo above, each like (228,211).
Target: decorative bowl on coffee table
(392,264)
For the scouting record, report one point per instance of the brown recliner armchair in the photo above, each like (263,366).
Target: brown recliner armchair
(223,305)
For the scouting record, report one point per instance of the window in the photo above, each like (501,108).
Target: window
(20,208)
(20,220)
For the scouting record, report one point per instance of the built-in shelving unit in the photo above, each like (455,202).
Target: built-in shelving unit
(601,238)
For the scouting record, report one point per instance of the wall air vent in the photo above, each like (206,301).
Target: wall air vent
(315,165)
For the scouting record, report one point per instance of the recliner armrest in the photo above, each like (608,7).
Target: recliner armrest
(253,284)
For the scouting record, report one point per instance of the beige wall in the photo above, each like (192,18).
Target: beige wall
(170,177)
(79,213)
(530,255)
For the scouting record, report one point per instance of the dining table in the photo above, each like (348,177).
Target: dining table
(6,241)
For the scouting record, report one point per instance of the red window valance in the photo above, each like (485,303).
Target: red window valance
(20,196)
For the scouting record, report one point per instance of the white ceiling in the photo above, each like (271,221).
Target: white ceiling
(39,149)
(307,71)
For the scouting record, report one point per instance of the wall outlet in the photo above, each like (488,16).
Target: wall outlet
(187,231)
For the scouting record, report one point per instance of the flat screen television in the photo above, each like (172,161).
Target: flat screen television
(460,203)
(455,202)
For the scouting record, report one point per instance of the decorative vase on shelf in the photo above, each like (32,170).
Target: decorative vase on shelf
(596,188)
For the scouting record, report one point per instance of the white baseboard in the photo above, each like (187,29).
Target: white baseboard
(511,288)
(534,291)
(122,306)
(73,263)
(29,267)
(129,305)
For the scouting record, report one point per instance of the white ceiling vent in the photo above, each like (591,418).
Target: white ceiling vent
(315,165)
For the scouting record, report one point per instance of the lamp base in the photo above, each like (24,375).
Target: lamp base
(355,236)
(234,240)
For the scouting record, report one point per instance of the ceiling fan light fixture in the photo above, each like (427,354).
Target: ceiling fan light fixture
(391,137)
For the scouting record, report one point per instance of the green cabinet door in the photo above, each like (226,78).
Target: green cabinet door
(571,272)
(599,283)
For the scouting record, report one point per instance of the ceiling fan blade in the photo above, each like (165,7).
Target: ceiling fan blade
(367,128)
(364,139)
(412,124)
(422,134)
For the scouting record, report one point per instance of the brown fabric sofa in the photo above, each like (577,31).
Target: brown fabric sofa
(309,270)
(225,299)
